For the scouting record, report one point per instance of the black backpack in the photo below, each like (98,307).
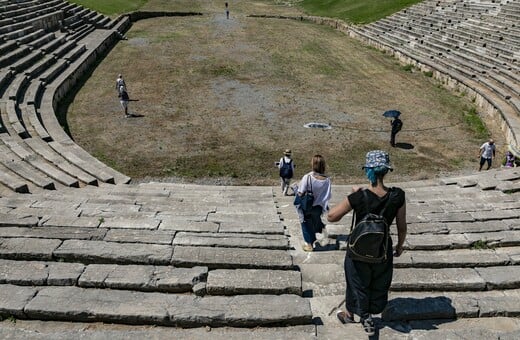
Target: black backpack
(368,240)
(286,170)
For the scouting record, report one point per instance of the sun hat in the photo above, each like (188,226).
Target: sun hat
(377,158)
(287,152)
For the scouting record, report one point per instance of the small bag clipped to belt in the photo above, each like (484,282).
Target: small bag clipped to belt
(368,240)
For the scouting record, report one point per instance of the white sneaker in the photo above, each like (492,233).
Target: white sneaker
(323,237)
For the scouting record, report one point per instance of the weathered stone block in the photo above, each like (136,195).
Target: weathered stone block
(253,281)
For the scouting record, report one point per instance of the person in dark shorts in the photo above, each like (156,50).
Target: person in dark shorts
(368,283)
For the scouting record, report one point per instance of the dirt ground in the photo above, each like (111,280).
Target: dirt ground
(220,99)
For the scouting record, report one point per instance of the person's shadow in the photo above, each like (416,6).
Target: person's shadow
(135,115)
(431,310)
(405,146)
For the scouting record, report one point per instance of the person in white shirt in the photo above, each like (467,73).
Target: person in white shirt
(319,184)
(487,153)
(120,82)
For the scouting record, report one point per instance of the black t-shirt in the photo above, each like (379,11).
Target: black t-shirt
(374,204)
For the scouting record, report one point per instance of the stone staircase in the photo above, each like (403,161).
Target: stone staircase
(99,258)
(230,257)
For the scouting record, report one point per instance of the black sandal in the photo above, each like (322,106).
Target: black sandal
(344,317)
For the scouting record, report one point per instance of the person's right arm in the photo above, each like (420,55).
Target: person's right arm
(338,211)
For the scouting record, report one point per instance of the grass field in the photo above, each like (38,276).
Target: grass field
(221,99)
(355,11)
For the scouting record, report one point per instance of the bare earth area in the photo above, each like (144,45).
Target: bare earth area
(220,99)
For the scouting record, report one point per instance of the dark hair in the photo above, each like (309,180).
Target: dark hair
(318,164)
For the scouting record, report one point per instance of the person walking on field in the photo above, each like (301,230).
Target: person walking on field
(368,282)
(486,154)
(317,183)
(124,99)
(286,166)
(397,125)
(227,10)
(120,82)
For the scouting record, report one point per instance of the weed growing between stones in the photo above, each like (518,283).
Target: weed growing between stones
(481,244)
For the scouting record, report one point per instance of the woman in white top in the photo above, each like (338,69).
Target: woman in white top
(319,184)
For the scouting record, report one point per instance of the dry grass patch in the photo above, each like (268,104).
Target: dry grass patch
(222,99)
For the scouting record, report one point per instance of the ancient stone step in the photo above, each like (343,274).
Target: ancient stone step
(452,258)
(35,273)
(253,281)
(113,252)
(254,227)
(28,248)
(54,233)
(231,258)
(139,236)
(118,306)
(234,240)
(33,330)
(448,305)
(142,278)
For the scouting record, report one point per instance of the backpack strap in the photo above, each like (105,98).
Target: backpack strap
(365,195)
(309,183)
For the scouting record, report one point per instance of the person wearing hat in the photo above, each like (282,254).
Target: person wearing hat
(286,166)
(368,283)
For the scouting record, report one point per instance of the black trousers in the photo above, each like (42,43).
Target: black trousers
(368,285)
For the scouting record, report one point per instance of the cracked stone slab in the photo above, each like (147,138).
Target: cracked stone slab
(53,233)
(128,222)
(503,239)
(506,277)
(66,221)
(231,258)
(246,218)
(437,242)
(13,220)
(478,227)
(143,278)
(104,332)
(448,217)
(255,227)
(508,187)
(13,299)
(182,224)
(118,306)
(458,258)
(512,252)
(28,248)
(452,279)
(231,240)
(37,273)
(253,281)
(113,252)
(43,212)
(181,209)
(505,304)
(495,214)
(427,228)
(139,236)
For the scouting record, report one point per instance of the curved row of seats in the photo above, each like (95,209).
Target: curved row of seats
(46,46)
(475,43)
